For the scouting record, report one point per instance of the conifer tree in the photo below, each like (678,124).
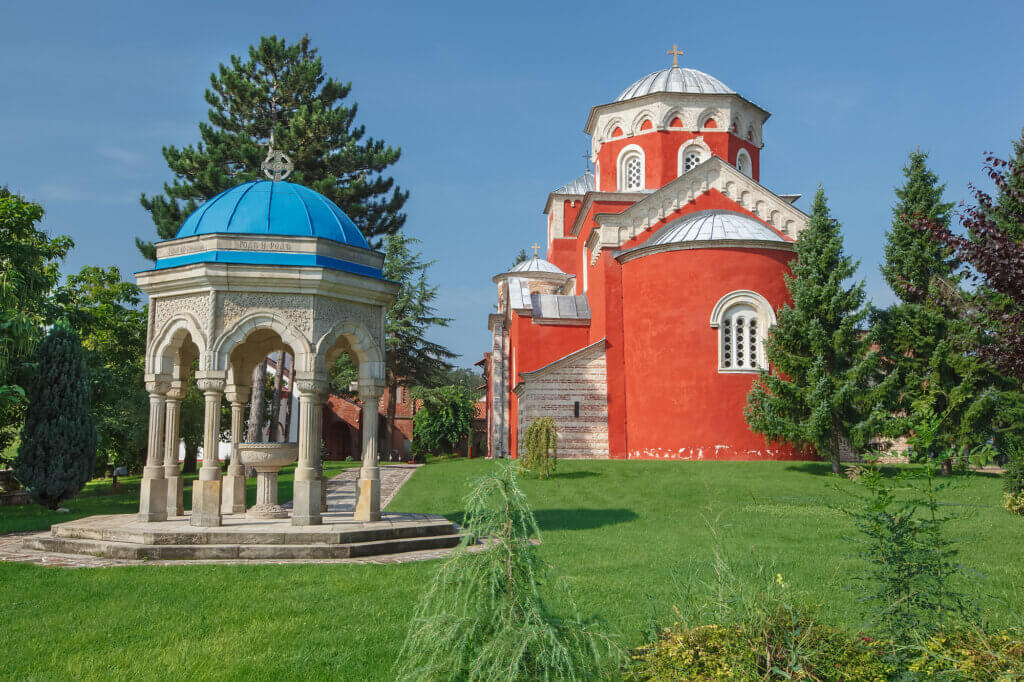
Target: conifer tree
(923,341)
(485,617)
(280,89)
(823,387)
(58,441)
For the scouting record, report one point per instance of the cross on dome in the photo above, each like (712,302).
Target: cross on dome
(277,166)
(676,54)
(535,248)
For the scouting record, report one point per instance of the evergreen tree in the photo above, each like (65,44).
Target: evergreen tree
(488,614)
(281,90)
(921,341)
(58,441)
(823,388)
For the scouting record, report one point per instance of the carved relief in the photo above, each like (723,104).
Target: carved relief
(329,312)
(295,309)
(168,307)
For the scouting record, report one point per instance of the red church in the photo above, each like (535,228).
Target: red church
(643,329)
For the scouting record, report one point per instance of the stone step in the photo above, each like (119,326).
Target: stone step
(185,552)
(238,536)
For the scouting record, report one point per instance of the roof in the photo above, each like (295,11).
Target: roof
(676,79)
(261,207)
(537,265)
(714,225)
(581,185)
(560,307)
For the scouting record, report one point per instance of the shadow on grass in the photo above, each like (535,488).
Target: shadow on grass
(574,474)
(568,519)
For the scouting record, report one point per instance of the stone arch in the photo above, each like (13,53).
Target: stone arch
(666,120)
(695,144)
(254,321)
(711,113)
(160,355)
(612,125)
(638,120)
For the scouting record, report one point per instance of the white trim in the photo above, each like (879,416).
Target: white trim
(627,152)
(766,319)
(697,142)
(743,153)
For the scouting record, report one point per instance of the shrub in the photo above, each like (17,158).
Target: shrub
(484,617)
(782,646)
(58,442)
(1013,475)
(1014,503)
(970,654)
(541,443)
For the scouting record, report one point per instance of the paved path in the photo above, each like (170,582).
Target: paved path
(340,497)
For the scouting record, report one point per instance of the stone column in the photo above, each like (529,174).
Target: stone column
(306,496)
(368,503)
(233,501)
(172,444)
(153,495)
(206,490)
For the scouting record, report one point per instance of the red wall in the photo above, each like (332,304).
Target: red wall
(679,405)
(661,155)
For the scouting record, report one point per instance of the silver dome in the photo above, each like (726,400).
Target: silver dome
(537,265)
(581,185)
(714,225)
(676,79)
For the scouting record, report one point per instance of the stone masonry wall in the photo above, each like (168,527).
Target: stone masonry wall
(554,392)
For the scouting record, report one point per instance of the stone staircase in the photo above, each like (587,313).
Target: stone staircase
(118,537)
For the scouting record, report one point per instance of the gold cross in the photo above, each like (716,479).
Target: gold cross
(675,52)
(535,249)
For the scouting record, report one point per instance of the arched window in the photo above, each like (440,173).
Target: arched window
(743,164)
(690,157)
(631,169)
(742,319)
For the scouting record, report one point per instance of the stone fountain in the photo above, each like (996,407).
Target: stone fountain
(267,459)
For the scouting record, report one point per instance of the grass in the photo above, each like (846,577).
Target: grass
(629,537)
(100,497)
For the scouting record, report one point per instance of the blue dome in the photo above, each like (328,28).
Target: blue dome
(273,208)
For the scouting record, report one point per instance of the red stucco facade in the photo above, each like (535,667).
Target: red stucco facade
(619,319)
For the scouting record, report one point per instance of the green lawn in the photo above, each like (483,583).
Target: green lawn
(628,536)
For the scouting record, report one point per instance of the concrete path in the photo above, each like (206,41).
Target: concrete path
(340,497)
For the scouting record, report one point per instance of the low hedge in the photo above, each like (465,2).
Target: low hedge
(785,646)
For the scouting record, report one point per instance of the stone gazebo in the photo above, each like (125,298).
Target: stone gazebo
(262,266)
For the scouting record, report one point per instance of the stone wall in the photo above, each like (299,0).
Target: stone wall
(554,391)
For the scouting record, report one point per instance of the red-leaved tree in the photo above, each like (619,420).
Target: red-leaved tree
(992,251)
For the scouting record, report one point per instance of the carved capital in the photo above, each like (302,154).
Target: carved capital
(157,384)
(315,387)
(238,394)
(370,392)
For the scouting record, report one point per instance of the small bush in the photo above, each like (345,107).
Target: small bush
(1014,503)
(784,646)
(971,655)
(1013,476)
(541,443)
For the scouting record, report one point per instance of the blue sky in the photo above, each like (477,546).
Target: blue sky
(488,103)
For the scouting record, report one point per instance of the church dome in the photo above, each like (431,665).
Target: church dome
(535,265)
(712,226)
(676,79)
(269,208)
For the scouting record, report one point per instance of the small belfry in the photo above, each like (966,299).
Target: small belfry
(642,329)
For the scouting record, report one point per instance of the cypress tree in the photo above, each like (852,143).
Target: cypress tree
(824,386)
(921,340)
(58,441)
(280,90)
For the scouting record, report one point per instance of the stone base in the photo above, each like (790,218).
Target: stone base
(124,536)
(153,499)
(175,496)
(368,504)
(306,503)
(267,511)
(206,503)
(233,500)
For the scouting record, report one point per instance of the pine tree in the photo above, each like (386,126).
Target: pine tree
(921,341)
(823,388)
(58,441)
(280,89)
(485,617)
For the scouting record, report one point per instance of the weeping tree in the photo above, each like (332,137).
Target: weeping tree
(541,444)
(485,618)
(58,441)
